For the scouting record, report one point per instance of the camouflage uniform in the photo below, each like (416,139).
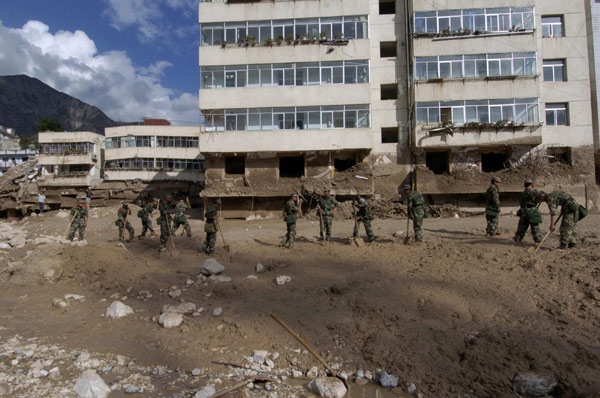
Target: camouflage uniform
(529,215)
(415,205)
(326,218)
(181,219)
(144,214)
(123,222)
(492,209)
(210,227)
(79,214)
(363,215)
(290,213)
(165,210)
(569,210)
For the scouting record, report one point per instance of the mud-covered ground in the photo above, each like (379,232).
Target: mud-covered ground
(457,316)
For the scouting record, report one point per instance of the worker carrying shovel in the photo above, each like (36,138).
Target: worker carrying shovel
(79,217)
(363,215)
(211,226)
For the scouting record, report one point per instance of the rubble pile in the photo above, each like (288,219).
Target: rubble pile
(18,187)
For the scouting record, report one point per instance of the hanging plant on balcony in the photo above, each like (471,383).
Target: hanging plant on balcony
(251,39)
(279,40)
(240,42)
(224,44)
(289,40)
(269,42)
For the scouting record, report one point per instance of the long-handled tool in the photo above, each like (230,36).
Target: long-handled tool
(542,242)
(225,245)
(354,237)
(407,237)
(169,229)
(308,348)
(323,228)
(69,226)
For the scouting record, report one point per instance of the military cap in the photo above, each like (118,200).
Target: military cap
(327,190)
(527,183)
(407,187)
(496,179)
(293,194)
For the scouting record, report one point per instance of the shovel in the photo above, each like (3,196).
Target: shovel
(309,349)
(69,226)
(225,245)
(532,250)
(407,237)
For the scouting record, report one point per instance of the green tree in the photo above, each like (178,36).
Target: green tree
(47,124)
(26,142)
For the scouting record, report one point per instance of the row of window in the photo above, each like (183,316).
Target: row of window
(519,110)
(289,118)
(482,20)
(158,163)
(479,65)
(65,148)
(348,27)
(150,141)
(293,74)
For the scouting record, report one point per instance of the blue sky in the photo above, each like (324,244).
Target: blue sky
(131,58)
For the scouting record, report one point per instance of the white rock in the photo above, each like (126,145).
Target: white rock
(196,372)
(312,372)
(388,380)
(296,374)
(280,280)
(411,388)
(217,311)
(74,297)
(4,245)
(211,267)
(269,363)
(118,310)
(259,356)
(90,385)
(259,269)
(328,387)
(275,356)
(189,282)
(62,214)
(175,293)
(59,303)
(170,319)
(205,392)
(220,278)
(182,308)
(534,385)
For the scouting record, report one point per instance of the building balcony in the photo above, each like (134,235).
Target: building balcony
(284,96)
(153,175)
(476,135)
(69,179)
(285,140)
(461,89)
(154,152)
(70,158)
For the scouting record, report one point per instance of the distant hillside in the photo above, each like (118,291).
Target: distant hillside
(25,100)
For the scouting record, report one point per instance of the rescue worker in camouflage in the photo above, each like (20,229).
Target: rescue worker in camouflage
(211,226)
(569,209)
(166,212)
(123,222)
(492,207)
(363,215)
(145,213)
(326,209)
(290,213)
(415,207)
(79,216)
(180,219)
(528,213)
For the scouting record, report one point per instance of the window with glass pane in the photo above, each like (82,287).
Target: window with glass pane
(350,74)
(326,120)
(458,115)
(338,74)
(552,26)
(554,70)
(445,70)
(314,119)
(265,76)
(266,121)
(556,114)
(326,75)
(253,76)
(338,119)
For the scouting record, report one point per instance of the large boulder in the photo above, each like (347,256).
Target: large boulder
(211,267)
(90,385)
(328,387)
(170,319)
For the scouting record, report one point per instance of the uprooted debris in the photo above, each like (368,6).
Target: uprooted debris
(18,186)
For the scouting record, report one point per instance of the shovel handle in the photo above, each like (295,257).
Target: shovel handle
(542,242)
(304,343)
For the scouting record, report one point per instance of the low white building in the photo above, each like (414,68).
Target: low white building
(71,158)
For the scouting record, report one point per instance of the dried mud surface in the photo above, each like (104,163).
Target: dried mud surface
(458,315)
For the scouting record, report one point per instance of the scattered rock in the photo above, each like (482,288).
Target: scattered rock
(217,311)
(361,381)
(59,303)
(259,356)
(296,374)
(219,278)
(534,385)
(90,385)
(205,392)
(312,372)
(211,267)
(183,308)
(280,280)
(328,387)
(170,319)
(411,388)
(398,234)
(259,269)
(175,293)
(196,372)
(118,310)
(388,380)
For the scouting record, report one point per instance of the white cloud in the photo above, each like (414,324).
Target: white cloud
(70,62)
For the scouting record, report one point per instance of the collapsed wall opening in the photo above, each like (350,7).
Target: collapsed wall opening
(235,165)
(389,135)
(493,161)
(389,91)
(559,155)
(387,7)
(438,161)
(291,166)
(387,49)
(344,160)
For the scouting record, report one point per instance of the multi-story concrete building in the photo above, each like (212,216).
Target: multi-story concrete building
(593,32)
(296,95)
(71,159)
(496,84)
(11,153)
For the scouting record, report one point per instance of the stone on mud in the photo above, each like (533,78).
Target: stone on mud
(211,267)
(182,308)
(170,319)
(388,380)
(328,387)
(534,385)
(118,310)
(205,392)
(90,385)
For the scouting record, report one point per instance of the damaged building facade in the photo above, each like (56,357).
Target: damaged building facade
(297,96)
